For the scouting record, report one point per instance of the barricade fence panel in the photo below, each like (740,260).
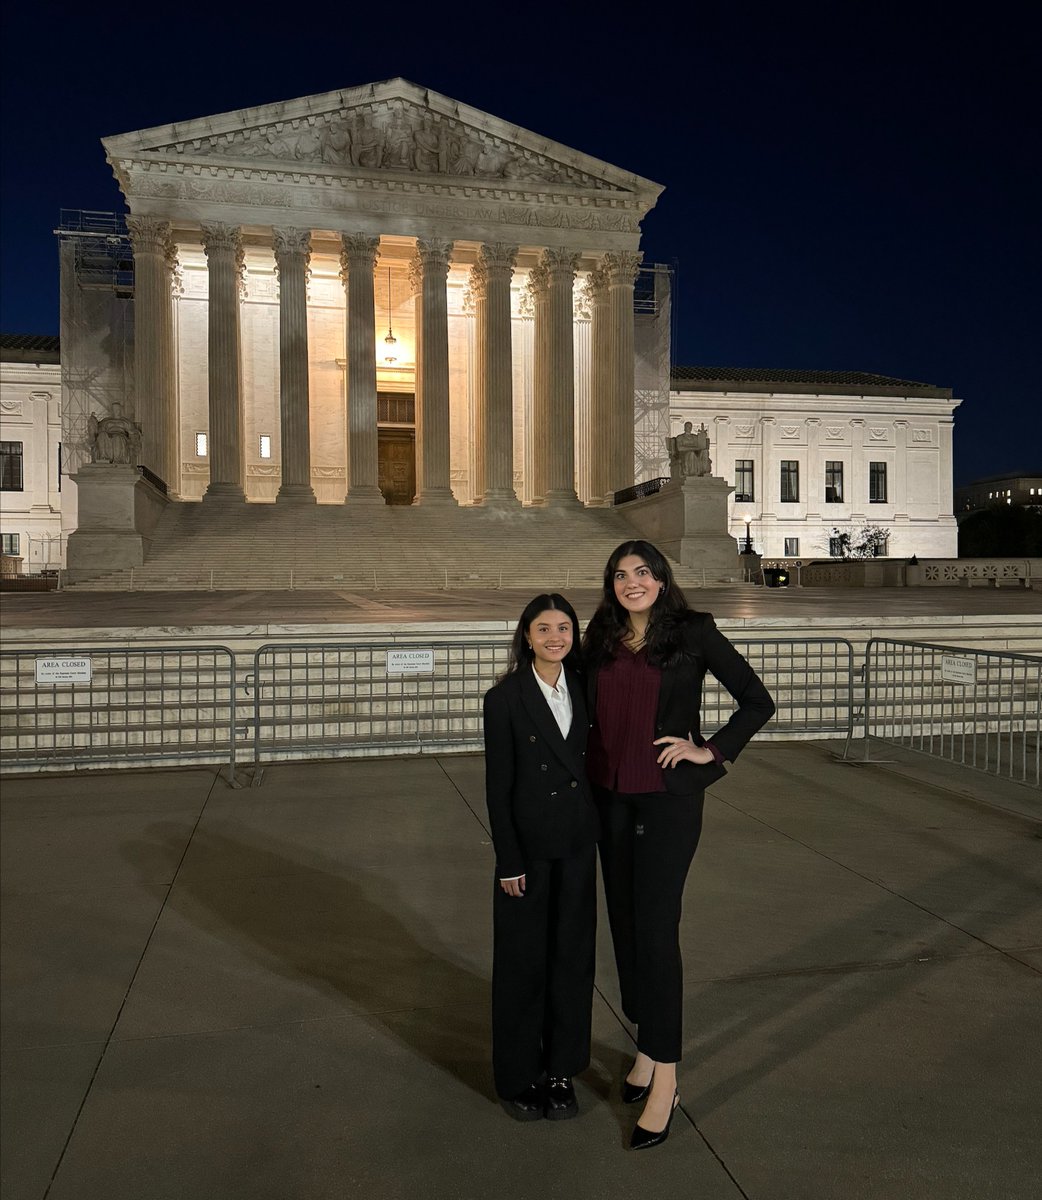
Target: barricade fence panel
(94,705)
(350,698)
(978,708)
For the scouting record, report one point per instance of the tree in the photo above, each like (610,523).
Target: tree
(861,541)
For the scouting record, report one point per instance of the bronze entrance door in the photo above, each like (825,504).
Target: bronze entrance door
(397,453)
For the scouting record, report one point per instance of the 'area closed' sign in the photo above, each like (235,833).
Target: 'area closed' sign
(63,670)
(409,661)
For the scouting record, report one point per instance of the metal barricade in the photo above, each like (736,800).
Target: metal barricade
(347,698)
(343,698)
(978,708)
(102,705)
(810,679)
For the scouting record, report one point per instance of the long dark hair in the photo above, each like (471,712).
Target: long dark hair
(609,624)
(521,654)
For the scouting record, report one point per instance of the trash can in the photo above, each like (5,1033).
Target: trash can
(775,577)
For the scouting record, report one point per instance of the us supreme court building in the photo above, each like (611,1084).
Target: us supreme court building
(379,295)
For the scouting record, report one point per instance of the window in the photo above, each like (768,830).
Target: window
(792,547)
(835,547)
(881,549)
(877,483)
(265,445)
(11,542)
(743,480)
(200,444)
(790,481)
(833,482)
(11,466)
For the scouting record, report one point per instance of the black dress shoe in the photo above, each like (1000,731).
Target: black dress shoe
(560,1099)
(528,1106)
(632,1092)
(644,1139)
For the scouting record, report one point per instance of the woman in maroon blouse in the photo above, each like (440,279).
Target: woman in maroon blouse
(647,653)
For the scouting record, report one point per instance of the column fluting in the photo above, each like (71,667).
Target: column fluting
(538,468)
(358,262)
(292,255)
(155,405)
(225,259)
(621,268)
(561,266)
(429,270)
(600,392)
(494,424)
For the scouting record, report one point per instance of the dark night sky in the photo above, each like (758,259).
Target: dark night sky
(847,186)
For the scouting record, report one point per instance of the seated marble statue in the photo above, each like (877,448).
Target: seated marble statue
(689,453)
(114,439)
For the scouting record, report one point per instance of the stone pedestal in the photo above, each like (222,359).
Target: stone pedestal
(118,512)
(688,521)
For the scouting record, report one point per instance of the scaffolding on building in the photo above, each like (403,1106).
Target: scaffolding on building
(97,323)
(652,344)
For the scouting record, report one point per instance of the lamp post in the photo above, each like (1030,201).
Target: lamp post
(747,544)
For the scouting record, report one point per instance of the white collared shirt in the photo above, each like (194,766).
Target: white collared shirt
(559,699)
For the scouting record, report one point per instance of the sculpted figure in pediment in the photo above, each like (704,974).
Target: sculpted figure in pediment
(430,144)
(309,146)
(398,142)
(336,145)
(367,142)
(466,155)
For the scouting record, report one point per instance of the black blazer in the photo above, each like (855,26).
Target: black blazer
(680,699)
(539,802)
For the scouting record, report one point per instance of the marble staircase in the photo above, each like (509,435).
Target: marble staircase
(271,546)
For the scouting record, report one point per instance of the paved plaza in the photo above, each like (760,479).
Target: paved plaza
(282,992)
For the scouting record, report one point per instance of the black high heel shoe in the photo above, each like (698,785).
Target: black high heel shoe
(644,1139)
(632,1092)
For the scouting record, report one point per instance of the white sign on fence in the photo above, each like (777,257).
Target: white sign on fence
(956,669)
(409,661)
(63,670)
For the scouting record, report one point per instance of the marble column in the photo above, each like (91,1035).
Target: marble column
(292,255)
(859,459)
(225,260)
(600,394)
(621,269)
(155,406)
(429,271)
(358,261)
(814,499)
(537,469)
(494,427)
(560,348)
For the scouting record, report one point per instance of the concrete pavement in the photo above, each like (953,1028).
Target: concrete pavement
(282,993)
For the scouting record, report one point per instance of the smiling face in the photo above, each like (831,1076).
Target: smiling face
(636,589)
(550,636)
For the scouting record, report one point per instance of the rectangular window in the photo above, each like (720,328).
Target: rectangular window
(790,481)
(833,482)
(835,547)
(792,547)
(200,445)
(265,445)
(877,483)
(743,480)
(881,549)
(11,542)
(11,467)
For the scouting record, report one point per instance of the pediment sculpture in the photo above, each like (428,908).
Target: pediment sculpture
(390,135)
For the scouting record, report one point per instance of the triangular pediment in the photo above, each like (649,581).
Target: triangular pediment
(391,128)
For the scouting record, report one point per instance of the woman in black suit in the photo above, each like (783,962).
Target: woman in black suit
(544,829)
(646,655)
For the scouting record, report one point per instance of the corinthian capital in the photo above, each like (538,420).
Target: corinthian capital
(433,255)
(539,279)
(497,257)
(289,243)
(221,238)
(560,264)
(622,266)
(152,235)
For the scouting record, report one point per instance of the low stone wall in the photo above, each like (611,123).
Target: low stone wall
(929,572)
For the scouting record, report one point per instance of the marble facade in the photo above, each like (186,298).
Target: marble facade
(273,247)
(905,426)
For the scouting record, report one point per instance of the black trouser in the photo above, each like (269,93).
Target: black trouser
(542,973)
(647,844)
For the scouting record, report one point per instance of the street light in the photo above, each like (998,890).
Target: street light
(747,545)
